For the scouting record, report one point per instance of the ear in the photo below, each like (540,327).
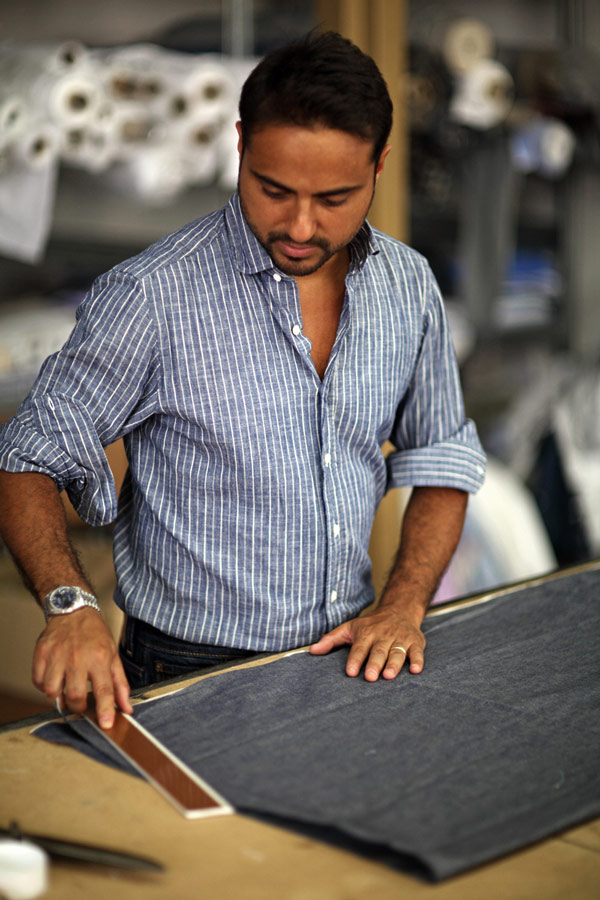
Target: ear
(238,126)
(381,161)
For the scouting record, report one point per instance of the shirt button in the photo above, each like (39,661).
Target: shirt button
(296,330)
(336,530)
(327,459)
(276,276)
(333,596)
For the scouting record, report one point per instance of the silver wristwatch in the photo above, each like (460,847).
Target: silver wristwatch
(63,600)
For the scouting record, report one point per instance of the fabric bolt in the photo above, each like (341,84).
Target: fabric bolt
(494,746)
(245,516)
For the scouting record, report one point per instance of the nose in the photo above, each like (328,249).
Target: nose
(301,224)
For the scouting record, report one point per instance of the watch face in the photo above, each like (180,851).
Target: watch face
(68,599)
(64,598)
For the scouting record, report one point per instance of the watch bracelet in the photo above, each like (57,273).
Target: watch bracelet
(93,602)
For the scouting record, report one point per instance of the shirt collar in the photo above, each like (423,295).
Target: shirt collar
(250,256)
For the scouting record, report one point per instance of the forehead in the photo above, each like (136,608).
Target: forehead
(316,158)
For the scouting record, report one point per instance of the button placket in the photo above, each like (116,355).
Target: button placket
(285,308)
(330,487)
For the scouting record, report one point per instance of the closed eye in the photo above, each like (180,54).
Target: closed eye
(332,202)
(274,194)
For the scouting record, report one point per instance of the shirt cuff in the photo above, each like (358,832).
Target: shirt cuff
(445,464)
(83,472)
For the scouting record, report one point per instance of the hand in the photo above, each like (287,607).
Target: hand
(73,649)
(375,638)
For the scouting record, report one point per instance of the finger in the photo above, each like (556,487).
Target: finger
(334,638)
(111,691)
(38,669)
(396,659)
(121,686)
(377,659)
(104,696)
(356,658)
(52,682)
(417,659)
(48,671)
(66,677)
(75,689)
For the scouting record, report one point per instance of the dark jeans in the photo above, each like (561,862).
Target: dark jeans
(148,655)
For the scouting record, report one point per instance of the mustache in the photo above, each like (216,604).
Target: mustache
(275,236)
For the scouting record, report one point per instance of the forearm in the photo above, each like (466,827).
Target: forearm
(73,649)
(34,527)
(431,530)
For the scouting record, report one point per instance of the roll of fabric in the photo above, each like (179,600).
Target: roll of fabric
(484,95)
(197,139)
(59,56)
(207,86)
(93,147)
(154,120)
(134,127)
(66,92)
(154,175)
(38,146)
(543,145)
(228,138)
(12,113)
(132,73)
(466,42)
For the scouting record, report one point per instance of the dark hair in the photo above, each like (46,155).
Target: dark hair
(323,79)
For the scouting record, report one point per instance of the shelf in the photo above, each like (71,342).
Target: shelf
(88,209)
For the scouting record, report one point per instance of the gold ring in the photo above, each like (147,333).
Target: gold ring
(398,647)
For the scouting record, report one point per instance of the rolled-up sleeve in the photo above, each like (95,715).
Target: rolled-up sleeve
(436,445)
(99,387)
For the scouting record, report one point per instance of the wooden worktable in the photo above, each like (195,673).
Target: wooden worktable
(55,790)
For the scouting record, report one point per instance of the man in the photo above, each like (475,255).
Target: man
(254,363)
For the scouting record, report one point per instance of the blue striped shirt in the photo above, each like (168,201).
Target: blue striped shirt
(245,515)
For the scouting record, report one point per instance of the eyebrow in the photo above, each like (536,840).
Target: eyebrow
(283,187)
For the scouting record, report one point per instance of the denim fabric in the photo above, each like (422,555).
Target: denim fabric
(149,656)
(494,746)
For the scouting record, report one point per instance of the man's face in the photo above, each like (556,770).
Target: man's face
(305,192)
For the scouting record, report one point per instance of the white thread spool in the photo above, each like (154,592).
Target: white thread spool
(23,870)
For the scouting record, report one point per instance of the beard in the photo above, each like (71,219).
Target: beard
(297,268)
(287,264)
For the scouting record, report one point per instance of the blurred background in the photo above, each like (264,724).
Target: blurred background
(117,126)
